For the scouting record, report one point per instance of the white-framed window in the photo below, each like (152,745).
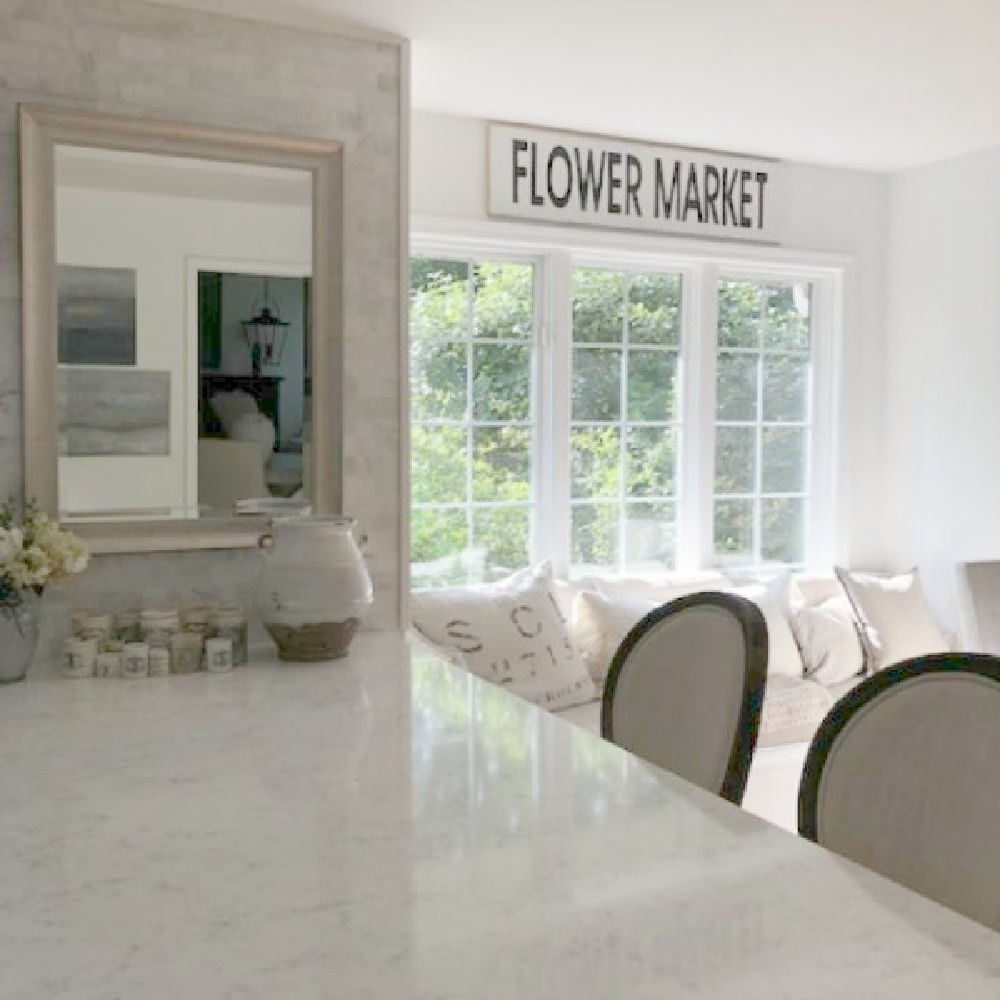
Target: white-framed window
(624,421)
(649,410)
(473,441)
(763,421)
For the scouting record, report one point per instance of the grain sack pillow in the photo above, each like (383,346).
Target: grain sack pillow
(511,633)
(895,620)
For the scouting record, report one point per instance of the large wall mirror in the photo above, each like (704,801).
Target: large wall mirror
(182,302)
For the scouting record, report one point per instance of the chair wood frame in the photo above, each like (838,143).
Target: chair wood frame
(754,630)
(857,700)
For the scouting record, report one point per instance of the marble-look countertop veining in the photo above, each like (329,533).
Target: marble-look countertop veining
(382,829)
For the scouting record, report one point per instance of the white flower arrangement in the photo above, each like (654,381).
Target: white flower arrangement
(35,551)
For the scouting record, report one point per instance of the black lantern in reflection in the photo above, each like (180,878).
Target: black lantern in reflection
(265,334)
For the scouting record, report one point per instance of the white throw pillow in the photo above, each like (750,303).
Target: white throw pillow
(511,633)
(257,428)
(600,623)
(772,597)
(659,587)
(895,621)
(230,406)
(829,641)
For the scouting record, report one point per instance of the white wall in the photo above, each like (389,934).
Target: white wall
(943,475)
(157,235)
(829,210)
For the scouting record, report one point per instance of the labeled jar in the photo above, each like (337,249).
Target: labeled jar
(159,661)
(197,619)
(159,627)
(80,659)
(91,625)
(231,623)
(218,655)
(125,625)
(136,660)
(109,664)
(186,653)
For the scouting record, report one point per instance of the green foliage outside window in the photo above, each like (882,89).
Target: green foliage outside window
(471,354)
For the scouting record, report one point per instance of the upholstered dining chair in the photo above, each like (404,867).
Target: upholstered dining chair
(979,605)
(685,689)
(902,777)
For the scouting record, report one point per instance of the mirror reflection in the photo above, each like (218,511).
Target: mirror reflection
(183,310)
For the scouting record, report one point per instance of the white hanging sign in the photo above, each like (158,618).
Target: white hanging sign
(553,176)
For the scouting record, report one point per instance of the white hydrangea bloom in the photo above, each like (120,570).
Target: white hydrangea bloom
(11,540)
(39,552)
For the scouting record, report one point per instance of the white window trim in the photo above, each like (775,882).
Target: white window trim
(555,250)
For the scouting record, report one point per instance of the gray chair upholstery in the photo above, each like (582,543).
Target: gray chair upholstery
(903,778)
(686,686)
(979,605)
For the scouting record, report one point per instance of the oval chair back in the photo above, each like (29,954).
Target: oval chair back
(903,777)
(686,686)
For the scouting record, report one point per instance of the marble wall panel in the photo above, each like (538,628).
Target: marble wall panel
(129,57)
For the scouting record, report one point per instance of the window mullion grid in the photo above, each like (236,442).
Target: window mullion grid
(695,422)
(699,347)
(555,449)
(469,418)
(758,502)
(623,420)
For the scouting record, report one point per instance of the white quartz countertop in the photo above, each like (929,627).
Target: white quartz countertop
(376,829)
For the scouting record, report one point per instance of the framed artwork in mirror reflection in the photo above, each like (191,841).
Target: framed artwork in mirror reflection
(96,315)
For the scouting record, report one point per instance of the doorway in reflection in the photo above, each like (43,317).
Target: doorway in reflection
(172,404)
(255,389)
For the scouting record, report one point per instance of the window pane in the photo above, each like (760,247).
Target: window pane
(735,459)
(783,529)
(740,306)
(596,462)
(501,468)
(598,306)
(439,298)
(438,380)
(787,317)
(438,545)
(652,385)
(456,465)
(786,388)
(596,383)
(736,386)
(654,309)
(652,461)
(501,381)
(784,460)
(503,301)
(595,536)
(733,530)
(437,463)
(504,533)
(650,540)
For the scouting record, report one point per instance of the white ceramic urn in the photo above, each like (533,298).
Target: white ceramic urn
(314,589)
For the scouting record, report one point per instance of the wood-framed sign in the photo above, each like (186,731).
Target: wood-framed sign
(554,176)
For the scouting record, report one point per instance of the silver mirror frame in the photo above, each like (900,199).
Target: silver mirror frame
(41,129)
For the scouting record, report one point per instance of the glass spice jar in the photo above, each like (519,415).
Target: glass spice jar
(231,623)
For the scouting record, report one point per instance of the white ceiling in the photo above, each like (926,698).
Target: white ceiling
(874,84)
